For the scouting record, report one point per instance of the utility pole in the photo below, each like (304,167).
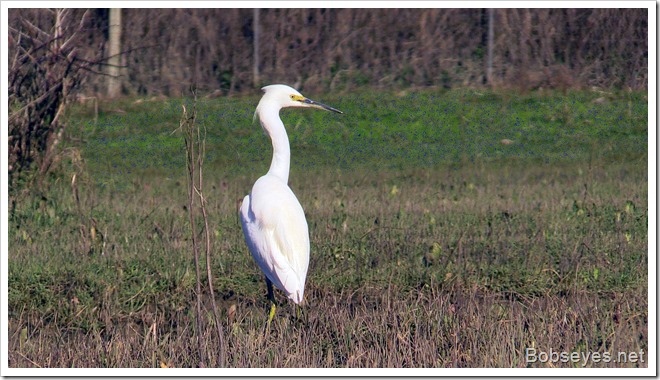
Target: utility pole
(114,62)
(489,65)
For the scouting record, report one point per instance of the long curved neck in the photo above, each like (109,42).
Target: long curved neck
(271,122)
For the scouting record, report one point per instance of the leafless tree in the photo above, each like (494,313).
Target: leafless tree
(49,60)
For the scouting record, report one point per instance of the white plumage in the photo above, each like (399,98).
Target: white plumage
(273,220)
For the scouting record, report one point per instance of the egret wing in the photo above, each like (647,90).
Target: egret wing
(277,235)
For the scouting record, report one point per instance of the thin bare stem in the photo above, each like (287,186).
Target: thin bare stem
(195,149)
(187,124)
(201,151)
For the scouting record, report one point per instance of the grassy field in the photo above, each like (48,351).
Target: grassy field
(448,229)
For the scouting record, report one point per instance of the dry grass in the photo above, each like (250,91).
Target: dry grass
(459,266)
(427,328)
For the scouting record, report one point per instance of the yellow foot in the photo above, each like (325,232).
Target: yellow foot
(271,315)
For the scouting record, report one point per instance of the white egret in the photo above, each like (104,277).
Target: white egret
(273,220)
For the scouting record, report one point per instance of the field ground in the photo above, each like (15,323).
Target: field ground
(448,229)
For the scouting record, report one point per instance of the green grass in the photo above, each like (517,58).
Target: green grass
(433,243)
(378,129)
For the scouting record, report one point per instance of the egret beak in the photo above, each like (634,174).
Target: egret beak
(318,105)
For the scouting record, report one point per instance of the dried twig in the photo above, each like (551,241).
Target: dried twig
(195,149)
(186,124)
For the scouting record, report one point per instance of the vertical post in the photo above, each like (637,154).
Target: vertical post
(256,27)
(114,42)
(489,65)
(57,40)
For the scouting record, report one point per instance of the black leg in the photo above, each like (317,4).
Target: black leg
(271,297)
(271,294)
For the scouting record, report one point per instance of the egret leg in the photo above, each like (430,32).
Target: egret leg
(271,297)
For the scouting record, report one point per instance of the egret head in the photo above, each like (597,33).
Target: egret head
(282,96)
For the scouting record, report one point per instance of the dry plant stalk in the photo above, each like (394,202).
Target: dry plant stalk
(86,245)
(195,141)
